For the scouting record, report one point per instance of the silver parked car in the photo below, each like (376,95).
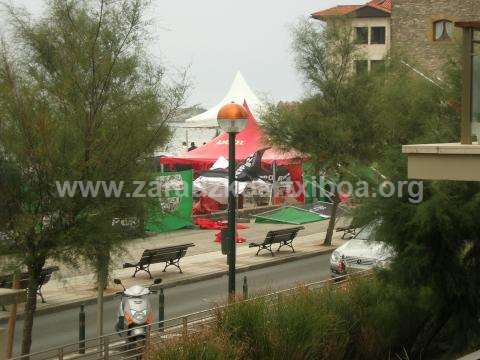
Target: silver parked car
(362,252)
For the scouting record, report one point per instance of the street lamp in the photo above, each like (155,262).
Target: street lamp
(232,118)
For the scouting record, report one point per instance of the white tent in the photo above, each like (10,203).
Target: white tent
(239,92)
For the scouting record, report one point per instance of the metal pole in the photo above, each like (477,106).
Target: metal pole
(106,348)
(81,330)
(161,310)
(245,288)
(231,215)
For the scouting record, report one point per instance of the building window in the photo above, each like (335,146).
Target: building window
(377,65)
(442,30)
(361,35)
(377,35)
(361,67)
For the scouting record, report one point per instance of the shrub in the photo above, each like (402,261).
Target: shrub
(207,346)
(369,319)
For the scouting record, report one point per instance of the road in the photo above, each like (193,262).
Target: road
(51,330)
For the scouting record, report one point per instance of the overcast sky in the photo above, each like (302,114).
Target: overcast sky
(215,38)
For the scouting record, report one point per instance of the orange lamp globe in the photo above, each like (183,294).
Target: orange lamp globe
(232,118)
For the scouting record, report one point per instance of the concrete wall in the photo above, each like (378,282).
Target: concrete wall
(412,29)
(373,51)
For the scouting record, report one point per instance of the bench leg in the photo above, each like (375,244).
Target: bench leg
(265,247)
(173,263)
(286,243)
(147,270)
(4,308)
(142,268)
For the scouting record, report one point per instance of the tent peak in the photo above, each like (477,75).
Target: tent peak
(239,92)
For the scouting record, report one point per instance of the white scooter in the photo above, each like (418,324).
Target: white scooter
(135,312)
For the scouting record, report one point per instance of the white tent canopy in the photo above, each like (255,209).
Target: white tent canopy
(239,92)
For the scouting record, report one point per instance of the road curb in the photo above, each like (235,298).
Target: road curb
(175,283)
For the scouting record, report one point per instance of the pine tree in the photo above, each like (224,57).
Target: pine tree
(80,101)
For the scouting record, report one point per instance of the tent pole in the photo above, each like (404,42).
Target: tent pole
(274,183)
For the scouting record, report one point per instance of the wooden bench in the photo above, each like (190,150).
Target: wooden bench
(6,281)
(282,237)
(170,255)
(349,230)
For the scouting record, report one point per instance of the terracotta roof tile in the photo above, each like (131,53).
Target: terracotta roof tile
(337,10)
(384,5)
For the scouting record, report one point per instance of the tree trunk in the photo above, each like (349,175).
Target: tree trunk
(34,271)
(333,218)
(100,288)
(12,320)
(103,260)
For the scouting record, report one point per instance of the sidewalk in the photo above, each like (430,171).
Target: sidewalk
(204,261)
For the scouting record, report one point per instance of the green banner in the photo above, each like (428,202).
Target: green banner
(172,210)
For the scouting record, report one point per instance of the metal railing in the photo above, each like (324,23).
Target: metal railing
(115,345)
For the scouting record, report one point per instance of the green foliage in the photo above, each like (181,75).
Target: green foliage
(247,326)
(206,346)
(331,125)
(411,109)
(324,55)
(336,124)
(370,319)
(434,238)
(79,101)
(437,249)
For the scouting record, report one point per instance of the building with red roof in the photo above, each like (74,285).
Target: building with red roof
(371,23)
(368,9)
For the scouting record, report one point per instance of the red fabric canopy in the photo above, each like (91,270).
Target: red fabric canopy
(247,142)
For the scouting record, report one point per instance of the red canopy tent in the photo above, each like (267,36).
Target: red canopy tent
(247,142)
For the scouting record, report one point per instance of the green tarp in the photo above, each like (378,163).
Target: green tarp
(289,215)
(172,210)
